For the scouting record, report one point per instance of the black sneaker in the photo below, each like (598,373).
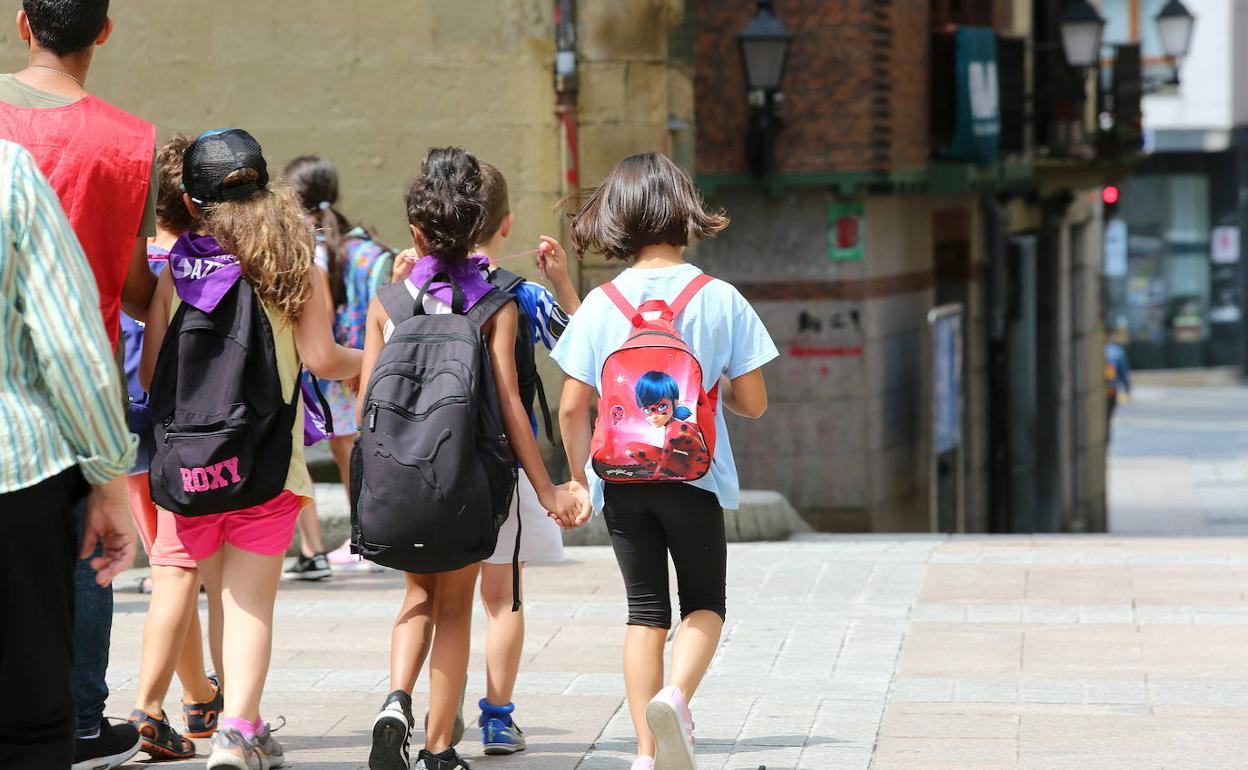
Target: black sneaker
(446,760)
(392,731)
(113,746)
(314,567)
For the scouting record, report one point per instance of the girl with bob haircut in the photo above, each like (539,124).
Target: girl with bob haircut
(447,214)
(647,212)
(251,231)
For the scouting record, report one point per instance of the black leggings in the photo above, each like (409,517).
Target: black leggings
(646,521)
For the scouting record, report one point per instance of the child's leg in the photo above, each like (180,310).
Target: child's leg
(175,595)
(196,687)
(216,619)
(341,447)
(504,639)
(413,630)
(448,668)
(248,591)
(641,551)
(693,524)
(310,531)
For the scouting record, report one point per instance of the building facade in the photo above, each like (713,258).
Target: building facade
(1174,274)
(925,158)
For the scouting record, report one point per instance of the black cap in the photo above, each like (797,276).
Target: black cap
(214,156)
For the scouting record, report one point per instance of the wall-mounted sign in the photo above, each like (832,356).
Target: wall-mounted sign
(1224,245)
(977,122)
(1116,248)
(846,231)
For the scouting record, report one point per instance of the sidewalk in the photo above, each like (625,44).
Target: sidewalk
(841,652)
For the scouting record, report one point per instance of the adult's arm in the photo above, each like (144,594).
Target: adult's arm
(136,292)
(60,309)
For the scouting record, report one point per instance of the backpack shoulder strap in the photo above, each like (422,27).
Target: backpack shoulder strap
(627,309)
(397,301)
(505,279)
(688,293)
(488,305)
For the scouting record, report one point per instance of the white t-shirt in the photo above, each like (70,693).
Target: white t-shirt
(720,327)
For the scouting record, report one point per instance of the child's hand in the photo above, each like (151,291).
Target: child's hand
(552,260)
(564,506)
(586,506)
(403,263)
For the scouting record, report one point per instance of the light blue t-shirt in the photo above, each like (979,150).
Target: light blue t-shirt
(720,327)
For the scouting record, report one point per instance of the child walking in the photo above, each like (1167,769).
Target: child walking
(172,639)
(545,316)
(242,312)
(655,436)
(447,215)
(354,264)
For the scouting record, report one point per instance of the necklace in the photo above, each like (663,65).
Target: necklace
(58,72)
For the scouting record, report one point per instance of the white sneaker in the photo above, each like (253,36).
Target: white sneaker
(671,724)
(272,755)
(230,749)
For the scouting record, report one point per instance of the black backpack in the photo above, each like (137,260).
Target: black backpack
(432,473)
(526,357)
(222,423)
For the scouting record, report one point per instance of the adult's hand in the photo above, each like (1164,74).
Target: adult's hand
(109,524)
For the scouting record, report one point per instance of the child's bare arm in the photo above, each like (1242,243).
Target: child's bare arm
(574,425)
(314,337)
(374,330)
(746,395)
(157,325)
(553,263)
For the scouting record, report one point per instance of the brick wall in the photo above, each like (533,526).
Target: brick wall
(855,88)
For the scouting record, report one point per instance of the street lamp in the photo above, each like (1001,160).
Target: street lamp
(1174,25)
(764,47)
(1081,28)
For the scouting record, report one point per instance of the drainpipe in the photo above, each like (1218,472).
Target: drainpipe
(567,85)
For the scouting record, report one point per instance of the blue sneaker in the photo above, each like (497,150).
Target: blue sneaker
(499,734)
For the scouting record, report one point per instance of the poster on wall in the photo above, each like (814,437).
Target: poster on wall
(846,231)
(1224,245)
(1116,248)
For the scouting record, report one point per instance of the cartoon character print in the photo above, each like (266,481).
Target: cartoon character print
(681,452)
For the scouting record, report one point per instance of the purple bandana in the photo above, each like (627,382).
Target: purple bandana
(467,274)
(203,273)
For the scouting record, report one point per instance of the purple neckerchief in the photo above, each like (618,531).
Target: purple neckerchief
(203,273)
(467,274)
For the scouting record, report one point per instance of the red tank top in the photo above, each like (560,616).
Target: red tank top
(99,160)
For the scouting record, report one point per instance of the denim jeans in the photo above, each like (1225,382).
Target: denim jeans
(93,627)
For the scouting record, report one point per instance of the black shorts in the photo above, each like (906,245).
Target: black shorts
(648,521)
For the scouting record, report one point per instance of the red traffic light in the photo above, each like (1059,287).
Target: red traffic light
(1110,194)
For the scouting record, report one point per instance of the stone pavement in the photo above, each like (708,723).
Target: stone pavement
(841,652)
(1179,462)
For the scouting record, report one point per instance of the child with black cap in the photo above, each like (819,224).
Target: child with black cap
(234,318)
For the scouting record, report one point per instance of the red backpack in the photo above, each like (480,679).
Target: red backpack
(655,421)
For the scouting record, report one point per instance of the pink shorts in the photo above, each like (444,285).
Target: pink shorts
(157,528)
(264,529)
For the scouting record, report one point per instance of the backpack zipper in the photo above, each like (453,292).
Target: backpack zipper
(431,338)
(408,415)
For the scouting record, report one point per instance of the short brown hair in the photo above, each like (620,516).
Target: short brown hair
(171,212)
(645,200)
(497,202)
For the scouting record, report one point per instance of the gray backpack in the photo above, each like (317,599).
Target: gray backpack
(432,473)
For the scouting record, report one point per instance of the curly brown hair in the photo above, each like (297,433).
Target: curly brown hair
(171,213)
(270,237)
(444,203)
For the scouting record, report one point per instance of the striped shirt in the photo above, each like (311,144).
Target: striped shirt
(60,392)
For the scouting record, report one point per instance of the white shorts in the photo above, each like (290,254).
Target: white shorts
(540,537)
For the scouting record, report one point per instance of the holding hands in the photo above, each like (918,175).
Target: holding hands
(568,504)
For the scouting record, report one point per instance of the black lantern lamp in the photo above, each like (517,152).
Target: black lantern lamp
(1081,29)
(764,52)
(1174,26)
